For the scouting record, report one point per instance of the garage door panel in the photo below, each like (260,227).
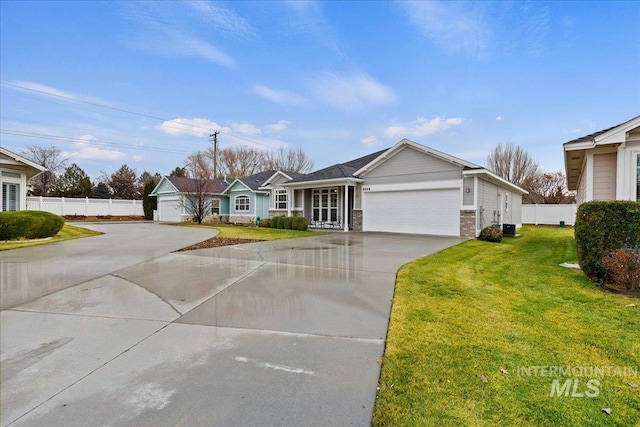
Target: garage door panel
(420,211)
(170,211)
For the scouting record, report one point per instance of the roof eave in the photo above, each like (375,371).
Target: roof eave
(494,177)
(323,182)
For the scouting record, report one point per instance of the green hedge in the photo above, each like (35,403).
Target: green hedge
(29,225)
(602,228)
(286,223)
(264,222)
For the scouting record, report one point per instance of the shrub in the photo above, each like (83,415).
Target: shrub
(492,233)
(299,223)
(288,221)
(280,223)
(623,269)
(29,225)
(273,222)
(602,228)
(264,222)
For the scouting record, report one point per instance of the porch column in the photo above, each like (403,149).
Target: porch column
(290,193)
(345,218)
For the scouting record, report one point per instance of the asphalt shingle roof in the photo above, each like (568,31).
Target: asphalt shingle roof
(340,170)
(185,185)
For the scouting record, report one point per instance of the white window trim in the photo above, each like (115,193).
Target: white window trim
(243,197)
(280,192)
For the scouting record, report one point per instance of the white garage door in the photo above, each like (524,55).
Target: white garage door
(418,211)
(170,210)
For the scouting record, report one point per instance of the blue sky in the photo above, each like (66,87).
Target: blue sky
(144,83)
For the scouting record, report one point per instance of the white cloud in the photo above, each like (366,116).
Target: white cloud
(220,17)
(422,127)
(499,119)
(452,26)
(278,127)
(87,150)
(163,28)
(370,140)
(351,92)
(45,90)
(194,127)
(577,130)
(278,97)
(136,157)
(245,128)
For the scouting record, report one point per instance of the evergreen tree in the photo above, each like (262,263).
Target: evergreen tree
(74,182)
(101,191)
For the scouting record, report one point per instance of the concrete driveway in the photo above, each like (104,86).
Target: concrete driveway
(275,333)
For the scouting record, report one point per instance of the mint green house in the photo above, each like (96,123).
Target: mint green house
(248,198)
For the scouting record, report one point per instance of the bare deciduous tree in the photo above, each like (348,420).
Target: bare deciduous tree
(50,158)
(288,161)
(238,162)
(512,163)
(197,199)
(547,188)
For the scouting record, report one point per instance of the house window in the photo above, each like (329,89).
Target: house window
(281,199)
(242,204)
(506,202)
(215,206)
(10,197)
(325,204)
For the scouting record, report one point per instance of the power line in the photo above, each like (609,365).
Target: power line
(87,141)
(96,104)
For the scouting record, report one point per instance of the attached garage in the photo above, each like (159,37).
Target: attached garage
(432,211)
(169,210)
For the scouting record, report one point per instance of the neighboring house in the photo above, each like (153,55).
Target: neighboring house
(15,171)
(175,194)
(249,197)
(605,165)
(408,188)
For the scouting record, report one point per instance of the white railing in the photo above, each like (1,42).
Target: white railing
(549,214)
(85,206)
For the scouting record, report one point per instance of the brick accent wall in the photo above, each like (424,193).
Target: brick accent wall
(274,212)
(467,223)
(357,220)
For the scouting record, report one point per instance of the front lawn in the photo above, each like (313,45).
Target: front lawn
(259,233)
(472,326)
(68,232)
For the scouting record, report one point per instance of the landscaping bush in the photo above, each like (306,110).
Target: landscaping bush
(288,220)
(273,221)
(492,233)
(602,228)
(280,223)
(265,223)
(623,269)
(29,225)
(299,223)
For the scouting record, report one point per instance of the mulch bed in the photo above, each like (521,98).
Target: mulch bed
(216,242)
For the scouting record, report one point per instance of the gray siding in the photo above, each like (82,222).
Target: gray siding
(410,165)
(467,198)
(487,203)
(604,176)
(516,210)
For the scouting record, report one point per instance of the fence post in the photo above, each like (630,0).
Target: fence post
(110,200)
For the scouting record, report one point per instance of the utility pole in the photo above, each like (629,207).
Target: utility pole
(214,139)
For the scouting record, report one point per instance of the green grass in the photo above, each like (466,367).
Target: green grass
(68,232)
(257,233)
(478,307)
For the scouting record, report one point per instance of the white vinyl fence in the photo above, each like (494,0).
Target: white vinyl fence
(549,214)
(85,206)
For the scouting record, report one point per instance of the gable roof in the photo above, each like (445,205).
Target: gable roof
(32,169)
(287,175)
(576,149)
(378,160)
(339,170)
(185,185)
(254,182)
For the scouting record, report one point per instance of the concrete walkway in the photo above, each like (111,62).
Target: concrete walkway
(275,333)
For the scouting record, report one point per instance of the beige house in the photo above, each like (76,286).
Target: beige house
(605,165)
(15,171)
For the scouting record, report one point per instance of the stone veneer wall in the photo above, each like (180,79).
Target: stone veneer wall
(240,219)
(468,223)
(274,212)
(357,220)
